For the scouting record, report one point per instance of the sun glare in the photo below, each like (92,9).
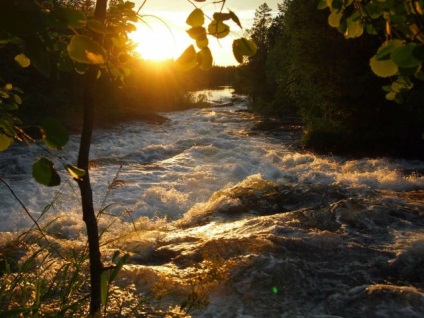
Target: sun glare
(154,42)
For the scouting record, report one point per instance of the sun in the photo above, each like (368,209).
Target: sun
(155,41)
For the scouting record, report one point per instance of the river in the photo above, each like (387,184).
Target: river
(254,227)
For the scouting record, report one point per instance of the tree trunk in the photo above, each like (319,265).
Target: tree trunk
(89,216)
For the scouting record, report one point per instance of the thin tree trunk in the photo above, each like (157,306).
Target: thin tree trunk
(89,216)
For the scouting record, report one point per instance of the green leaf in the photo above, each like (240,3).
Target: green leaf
(187,60)
(384,68)
(354,28)
(22,60)
(205,59)
(17,99)
(196,18)
(5,142)
(55,135)
(44,172)
(84,50)
(391,95)
(404,56)
(218,29)
(386,49)
(334,19)
(75,172)
(104,287)
(243,47)
(322,4)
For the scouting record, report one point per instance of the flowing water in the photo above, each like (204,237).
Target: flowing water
(242,219)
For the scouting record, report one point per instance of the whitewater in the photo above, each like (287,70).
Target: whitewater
(247,220)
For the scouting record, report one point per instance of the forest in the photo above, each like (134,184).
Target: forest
(306,68)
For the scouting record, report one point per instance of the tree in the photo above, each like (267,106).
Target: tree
(258,84)
(399,24)
(59,35)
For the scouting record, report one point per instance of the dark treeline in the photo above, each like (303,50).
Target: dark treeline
(149,87)
(305,68)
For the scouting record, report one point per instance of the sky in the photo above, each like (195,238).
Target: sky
(162,34)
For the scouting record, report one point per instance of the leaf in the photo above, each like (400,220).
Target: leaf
(322,4)
(386,49)
(384,68)
(235,19)
(197,32)
(334,19)
(104,287)
(17,99)
(219,16)
(243,47)
(187,60)
(218,29)
(196,18)
(75,172)
(44,172)
(354,28)
(22,60)
(84,50)
(205,59)
(404,56)
(5,142)
(202,42)
(55,135)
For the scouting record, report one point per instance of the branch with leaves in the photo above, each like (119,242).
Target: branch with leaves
(400,24)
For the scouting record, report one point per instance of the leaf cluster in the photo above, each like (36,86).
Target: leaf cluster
(217,28)
(401,23)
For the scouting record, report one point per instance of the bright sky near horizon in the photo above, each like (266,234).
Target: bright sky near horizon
(163,35)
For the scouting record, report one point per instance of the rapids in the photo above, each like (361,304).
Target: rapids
(242,221)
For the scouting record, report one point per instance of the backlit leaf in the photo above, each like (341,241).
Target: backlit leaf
(235,19)
(75,172)
(55,135)
(84,50)
(22,60)
(218,29)
(243,47)
(197,32)
(44,172)
(196,18)
(205,59)
(187,60)
(202,42)
(5,142)
(220,16)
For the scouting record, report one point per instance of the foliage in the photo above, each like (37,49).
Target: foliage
(311,71)
(400,23)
